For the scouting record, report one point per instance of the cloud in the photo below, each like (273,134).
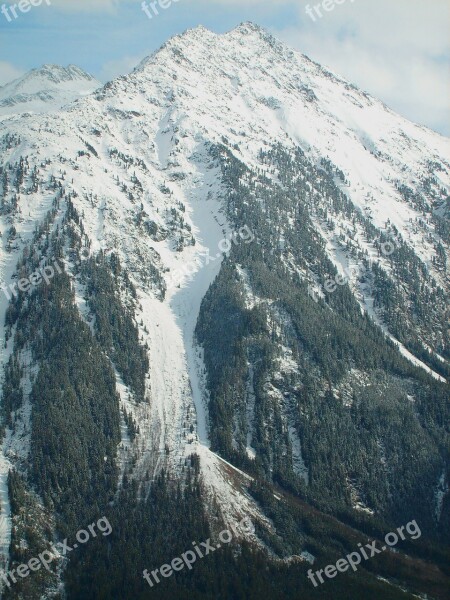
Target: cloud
(88,5)
(123,66)
(398,51)
(8,72)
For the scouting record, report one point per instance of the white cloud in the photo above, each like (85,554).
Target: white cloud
(123,66)
(398,51)
(88,5)
(8,72)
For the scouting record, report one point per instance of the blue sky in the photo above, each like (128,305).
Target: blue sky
(398,50)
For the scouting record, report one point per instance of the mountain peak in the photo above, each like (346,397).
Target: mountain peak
(248,27)
(49,74)
(194,42)
(202,33)
(46,87)
(58,73)
(197,32)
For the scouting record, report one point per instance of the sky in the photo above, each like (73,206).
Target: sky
(397,50)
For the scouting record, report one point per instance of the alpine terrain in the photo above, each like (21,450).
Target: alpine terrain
(225,297)
(45,89)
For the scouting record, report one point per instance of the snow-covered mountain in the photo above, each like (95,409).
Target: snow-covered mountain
(208,137)
(45,89)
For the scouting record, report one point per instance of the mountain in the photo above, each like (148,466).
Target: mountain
(46,89)
(226,296)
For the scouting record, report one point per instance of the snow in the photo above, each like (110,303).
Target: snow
(308,557)
(45,89)
(251,397)
(224,490)
(441,492)
(5,464)
(251,300)
(125,446)
(298,462)
(14,447)
(356,500)
(206,218)
(368,306)
(247,89)
(5,518)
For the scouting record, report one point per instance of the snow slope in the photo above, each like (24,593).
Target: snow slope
(45,89)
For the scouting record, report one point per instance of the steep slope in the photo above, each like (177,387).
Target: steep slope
(395,172)
(199,208)
(45,89)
